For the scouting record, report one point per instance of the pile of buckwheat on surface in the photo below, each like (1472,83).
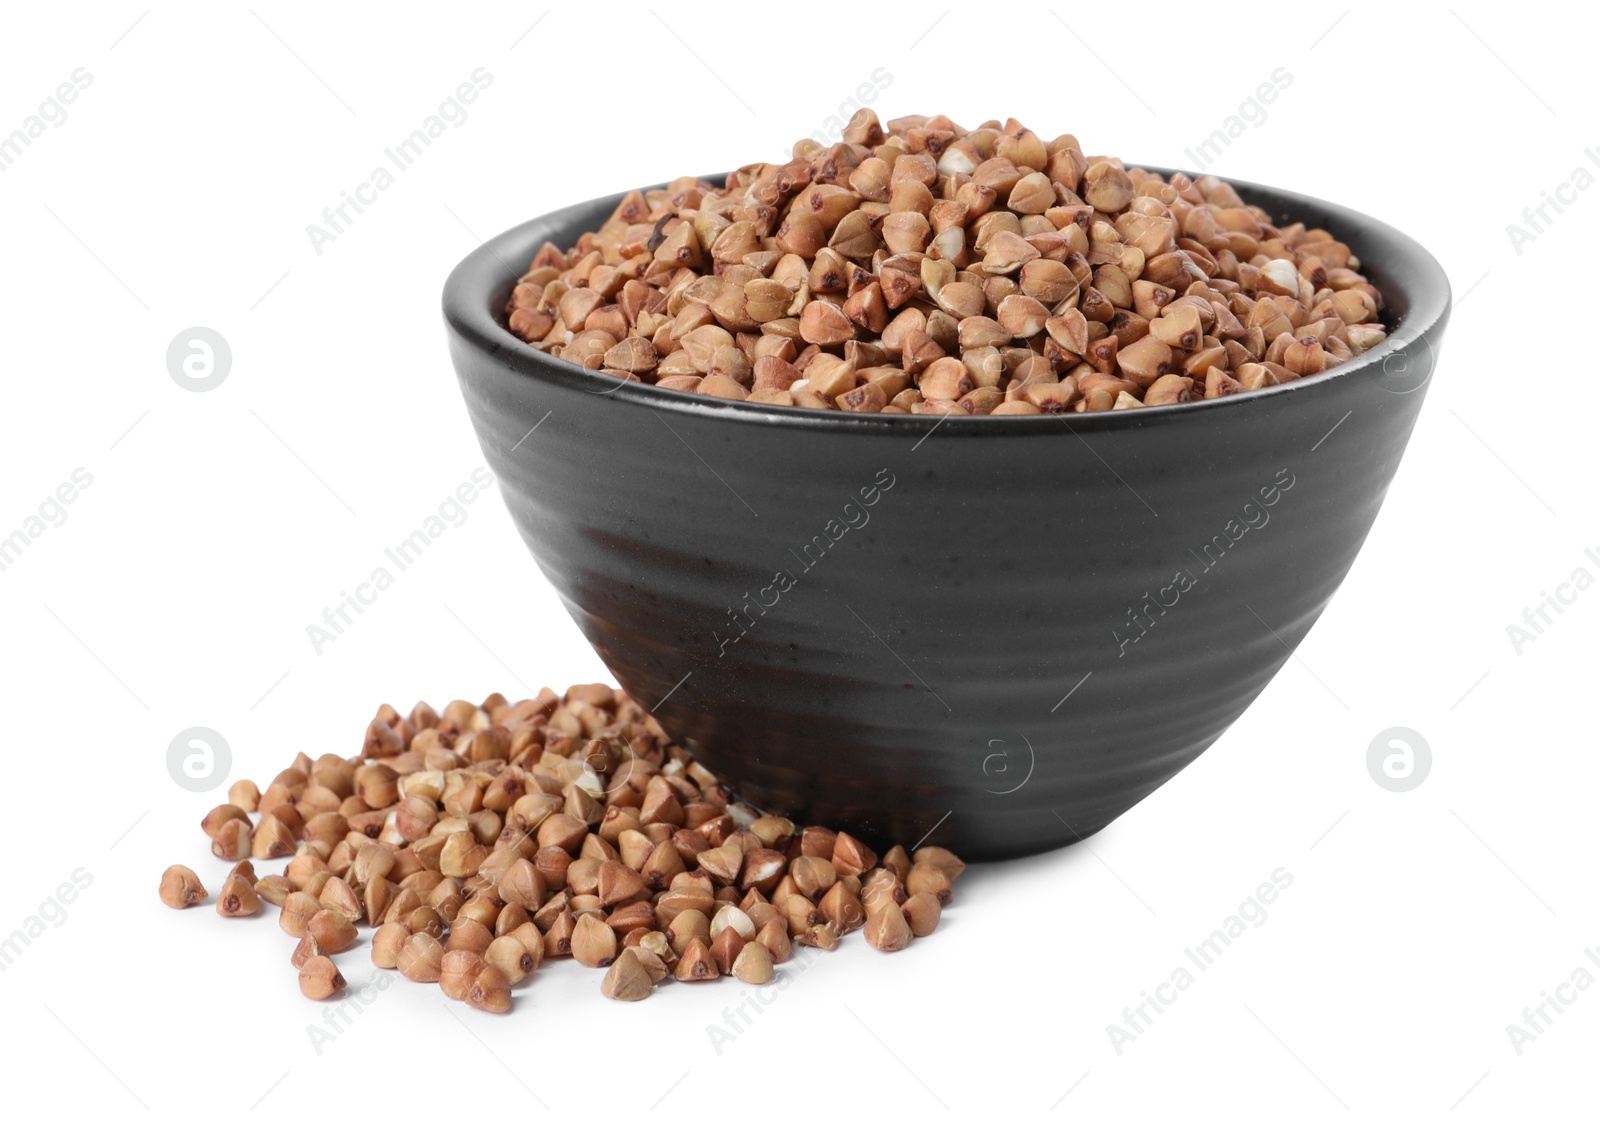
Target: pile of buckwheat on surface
(478,842)
(920,267)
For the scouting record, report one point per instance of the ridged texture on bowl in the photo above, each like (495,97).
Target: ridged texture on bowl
(899,661)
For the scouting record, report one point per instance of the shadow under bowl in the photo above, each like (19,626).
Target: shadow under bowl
(994,634)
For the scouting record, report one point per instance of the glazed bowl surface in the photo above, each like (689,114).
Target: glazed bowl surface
(994,634)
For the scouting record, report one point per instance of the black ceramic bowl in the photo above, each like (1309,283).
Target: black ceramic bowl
(998,633)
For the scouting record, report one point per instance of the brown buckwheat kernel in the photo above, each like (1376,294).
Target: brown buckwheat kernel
(477,841)
(180,887)
(918,266)
(320,978)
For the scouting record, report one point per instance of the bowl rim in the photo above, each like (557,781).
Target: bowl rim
(472,316)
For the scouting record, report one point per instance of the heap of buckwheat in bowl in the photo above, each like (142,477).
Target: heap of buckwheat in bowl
(478,843)
(921,267)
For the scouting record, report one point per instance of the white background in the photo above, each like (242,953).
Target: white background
(219,525)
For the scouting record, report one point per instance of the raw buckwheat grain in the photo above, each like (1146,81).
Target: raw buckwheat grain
(477,842)
(922,267)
